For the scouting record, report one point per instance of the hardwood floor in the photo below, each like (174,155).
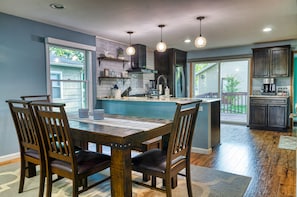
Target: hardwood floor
(254,153)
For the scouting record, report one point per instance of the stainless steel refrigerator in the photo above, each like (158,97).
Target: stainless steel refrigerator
(180,81)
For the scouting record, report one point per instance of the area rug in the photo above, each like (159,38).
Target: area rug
(287,142)
(206,182)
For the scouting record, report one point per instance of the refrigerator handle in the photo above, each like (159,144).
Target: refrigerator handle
(183,81)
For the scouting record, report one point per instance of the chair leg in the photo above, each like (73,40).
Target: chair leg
(154,181)
(168,187)
(41,181)
(145,177)
(22,176)
(189,183)
(174,182)
(75,188)
(49,183)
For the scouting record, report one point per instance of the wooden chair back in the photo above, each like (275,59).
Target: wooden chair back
(180,140)
(25,124)
(53,121)
(42,97)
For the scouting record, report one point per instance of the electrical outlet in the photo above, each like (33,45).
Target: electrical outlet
(200,108)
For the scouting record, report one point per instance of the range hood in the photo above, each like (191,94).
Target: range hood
(138,61)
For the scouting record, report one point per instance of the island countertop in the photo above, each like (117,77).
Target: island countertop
(161,99)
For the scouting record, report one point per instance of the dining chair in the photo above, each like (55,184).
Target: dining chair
(166,163)
(31,149)
(60,156)
(41,97)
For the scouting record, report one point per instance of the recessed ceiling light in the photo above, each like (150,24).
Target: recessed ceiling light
(187,41)
(267,29)
(57,6)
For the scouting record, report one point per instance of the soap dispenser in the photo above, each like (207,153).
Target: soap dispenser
(167,91)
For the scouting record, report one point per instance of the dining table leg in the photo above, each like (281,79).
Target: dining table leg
(120,169)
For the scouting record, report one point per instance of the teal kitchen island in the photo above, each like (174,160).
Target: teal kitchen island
(207,129)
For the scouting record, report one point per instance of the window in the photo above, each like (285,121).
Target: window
(69,78)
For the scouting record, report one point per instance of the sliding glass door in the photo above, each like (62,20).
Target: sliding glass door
(227,80)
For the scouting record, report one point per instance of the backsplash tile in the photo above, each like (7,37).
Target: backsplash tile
(137,82)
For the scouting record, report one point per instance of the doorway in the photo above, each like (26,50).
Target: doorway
(227,80)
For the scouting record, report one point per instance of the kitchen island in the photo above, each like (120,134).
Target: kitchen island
(207,129)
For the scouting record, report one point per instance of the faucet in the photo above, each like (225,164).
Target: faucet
(158,82)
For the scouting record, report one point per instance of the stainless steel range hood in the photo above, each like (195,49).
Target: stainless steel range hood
(138,61)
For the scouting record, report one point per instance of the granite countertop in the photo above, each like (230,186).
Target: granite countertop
(161,99)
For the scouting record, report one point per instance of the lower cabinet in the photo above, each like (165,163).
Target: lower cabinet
(269,113)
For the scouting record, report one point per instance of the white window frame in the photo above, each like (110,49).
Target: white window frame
(87,48)
(61,84)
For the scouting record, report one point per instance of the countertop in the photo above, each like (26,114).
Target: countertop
(269,96)
(161,99)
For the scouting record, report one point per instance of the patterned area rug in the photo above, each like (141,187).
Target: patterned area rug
(287,142)
(206,183)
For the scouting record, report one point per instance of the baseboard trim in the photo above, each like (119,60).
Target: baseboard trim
(6,158)
(201,150)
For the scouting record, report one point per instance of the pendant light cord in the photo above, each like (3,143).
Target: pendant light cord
(200,27)
(161,35)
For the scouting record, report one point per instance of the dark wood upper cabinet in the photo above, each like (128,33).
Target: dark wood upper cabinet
(279,61)
(161,61)
(166,63)
(261,63)
(271,61)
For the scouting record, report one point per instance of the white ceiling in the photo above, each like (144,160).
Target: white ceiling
(227,23)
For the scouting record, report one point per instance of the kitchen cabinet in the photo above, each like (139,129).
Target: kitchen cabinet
(271,61)
(166,64)
(161,61)
(269,113)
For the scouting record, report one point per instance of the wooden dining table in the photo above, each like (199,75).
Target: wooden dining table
(122,139)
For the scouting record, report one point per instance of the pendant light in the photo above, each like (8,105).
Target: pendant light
(161,46)
(200,41)
(130,50)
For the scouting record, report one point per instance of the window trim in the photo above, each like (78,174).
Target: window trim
(87,48)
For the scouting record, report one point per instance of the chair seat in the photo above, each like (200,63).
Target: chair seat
(32,153)
(86,160)
(153,160)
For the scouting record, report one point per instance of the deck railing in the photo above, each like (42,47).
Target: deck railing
(231,102)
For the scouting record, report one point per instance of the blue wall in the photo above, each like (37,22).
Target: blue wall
(23,66)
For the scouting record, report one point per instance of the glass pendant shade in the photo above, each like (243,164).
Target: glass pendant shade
(130,50)
(161,47)
(200,42)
